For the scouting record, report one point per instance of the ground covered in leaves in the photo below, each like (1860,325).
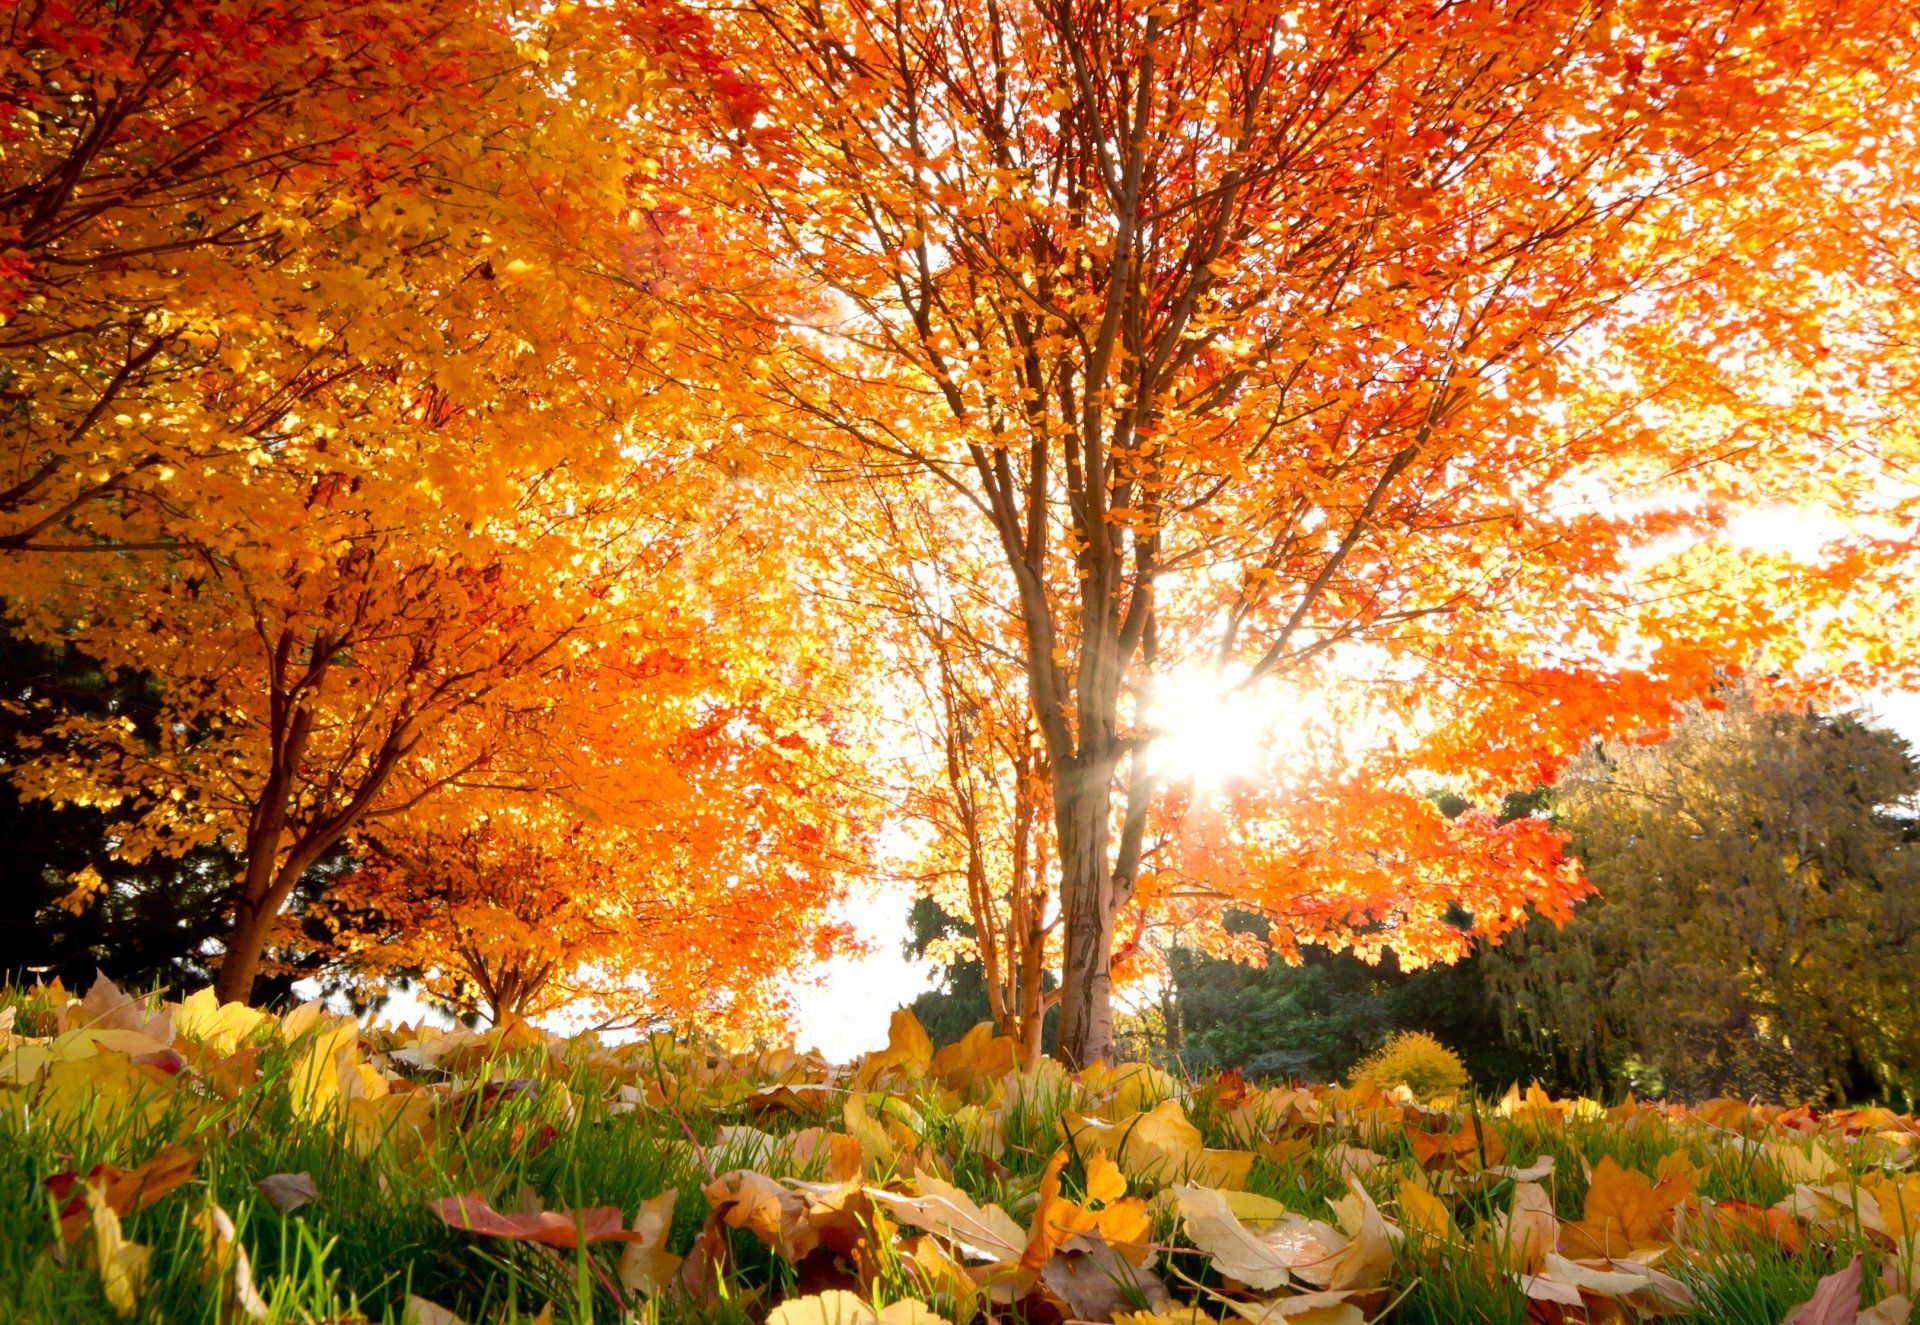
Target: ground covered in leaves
(190,1162)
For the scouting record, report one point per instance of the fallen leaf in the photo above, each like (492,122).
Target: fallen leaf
(1121,1222)
(124,1190)
(839,1307)
(984,1233)
(1318,1308)
(227,1261)
(646,1266)
(1423,1213)
(976,1058)
(552,1228)
(1095,1280)
(1835,1300)
(106,1008)
(1160,1146)
(1895,1310)
(122,1264)
(1367,1258)
(419,1311)
(287,1192)
(1619,1280)
(1266,1260)
(755,1202)
(1624,1212)
(1519,1239)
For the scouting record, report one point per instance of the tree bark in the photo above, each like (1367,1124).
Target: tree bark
(1086,1006)
(240,966)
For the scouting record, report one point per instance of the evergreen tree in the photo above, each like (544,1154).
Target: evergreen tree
(1314,1021)
(959,1001)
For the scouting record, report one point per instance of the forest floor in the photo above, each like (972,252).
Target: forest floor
(187,1162)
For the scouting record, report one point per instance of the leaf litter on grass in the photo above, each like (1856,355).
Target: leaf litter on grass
(499,1175)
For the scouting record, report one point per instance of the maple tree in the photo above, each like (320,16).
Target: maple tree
(518,918)
(162,164)
(402,482)
(1269,341)
(972,776)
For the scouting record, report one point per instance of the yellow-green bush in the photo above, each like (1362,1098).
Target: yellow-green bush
(1415,1060)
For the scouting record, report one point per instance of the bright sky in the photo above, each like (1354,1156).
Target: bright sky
(848,1013)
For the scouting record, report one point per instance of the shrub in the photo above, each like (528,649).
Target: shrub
(1415,1060)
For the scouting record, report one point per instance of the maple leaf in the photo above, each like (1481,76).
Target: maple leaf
(1160,1145)
(1835,1300)
(122,1191)
(287,1192)
(1121,1224)
(1625,1212)
(1287,1247)
(122,1264)
(839,1307)
(646,1266)
(552,1228)
(985,1233)
(777,1216)
(1571,1283)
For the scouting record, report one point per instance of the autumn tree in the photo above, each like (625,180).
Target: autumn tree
(163,168)
(401,458)
(970,778)
(514,916)
(1245,334)
(1757,928)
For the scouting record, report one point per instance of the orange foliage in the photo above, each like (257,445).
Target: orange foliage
(393,460)
(1285,341)
(431,422)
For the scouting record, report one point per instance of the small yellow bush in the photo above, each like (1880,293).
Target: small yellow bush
(1415,1060)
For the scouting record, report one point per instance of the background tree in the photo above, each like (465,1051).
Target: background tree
(513,918)
(346,614)
(1757,928)
(958,1002)
(1312,1022)
(972,780)
(1245,335)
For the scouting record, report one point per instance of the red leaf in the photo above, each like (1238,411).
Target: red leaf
(554,1228)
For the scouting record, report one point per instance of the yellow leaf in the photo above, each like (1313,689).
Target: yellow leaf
(646,1266)
(122,1264)
(1424,1213)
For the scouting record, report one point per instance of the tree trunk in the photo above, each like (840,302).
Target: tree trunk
(264,888)
(233,982)
(1086,1005)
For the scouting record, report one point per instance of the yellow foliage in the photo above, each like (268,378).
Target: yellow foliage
(1417,1061)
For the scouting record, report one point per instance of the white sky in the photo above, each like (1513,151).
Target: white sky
(847,1014)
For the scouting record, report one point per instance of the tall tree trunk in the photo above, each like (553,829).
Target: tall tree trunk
(264,889)
(1086,1006)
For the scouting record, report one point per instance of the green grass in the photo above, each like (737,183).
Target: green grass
(547,1130)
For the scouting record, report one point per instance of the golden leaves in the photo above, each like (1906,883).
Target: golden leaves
(1624,1213)
(1159,1146)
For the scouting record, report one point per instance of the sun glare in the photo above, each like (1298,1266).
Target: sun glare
(1206,731)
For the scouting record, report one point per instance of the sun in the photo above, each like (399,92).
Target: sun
(1207,731)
